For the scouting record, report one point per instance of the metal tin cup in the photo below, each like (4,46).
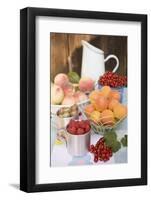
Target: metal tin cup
(77,145)
(62,122)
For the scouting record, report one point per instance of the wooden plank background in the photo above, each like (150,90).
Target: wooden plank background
(64,46)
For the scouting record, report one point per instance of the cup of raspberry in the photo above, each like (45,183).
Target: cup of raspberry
(78,137)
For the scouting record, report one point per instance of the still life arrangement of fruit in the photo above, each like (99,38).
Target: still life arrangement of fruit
(83,105)
(88,105)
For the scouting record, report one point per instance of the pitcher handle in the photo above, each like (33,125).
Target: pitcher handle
(62,135)
(117,61)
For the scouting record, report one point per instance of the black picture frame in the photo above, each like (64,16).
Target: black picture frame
(28,99)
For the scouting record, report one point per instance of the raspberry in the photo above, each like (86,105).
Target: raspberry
(80,131)
(87,128)
(71,130)
(82,124)
(72,123)
(76,124)
(87,122)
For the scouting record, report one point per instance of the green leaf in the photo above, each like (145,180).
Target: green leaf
(111,140)
(110,143)
(110,135)
(124,141)
(116,147)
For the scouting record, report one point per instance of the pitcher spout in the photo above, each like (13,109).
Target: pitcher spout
(91,47)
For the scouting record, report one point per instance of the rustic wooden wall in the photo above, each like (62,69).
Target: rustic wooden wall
(65,45)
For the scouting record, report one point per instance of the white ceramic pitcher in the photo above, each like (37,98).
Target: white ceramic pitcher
(93,62)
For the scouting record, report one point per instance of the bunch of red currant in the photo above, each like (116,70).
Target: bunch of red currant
(101,151)
(113,80)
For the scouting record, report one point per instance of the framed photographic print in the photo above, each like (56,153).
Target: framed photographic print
(83,99)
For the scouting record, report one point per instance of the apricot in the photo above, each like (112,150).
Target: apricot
(101,103)
(101,93)
(114,94)
(89,109)
(107,117)
(120,111)
(94,95)
(95,116)
(105,91)
(112,104)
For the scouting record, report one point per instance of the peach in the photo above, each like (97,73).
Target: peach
(57,94)
(69,89)
(68,100)
(120,111)
(89,109)
(112,104)
(86,84)
(95,116)
(107,117)
(61,80)
(94,95)
(105,91)
(115,95)
(101,103)
(80,96)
